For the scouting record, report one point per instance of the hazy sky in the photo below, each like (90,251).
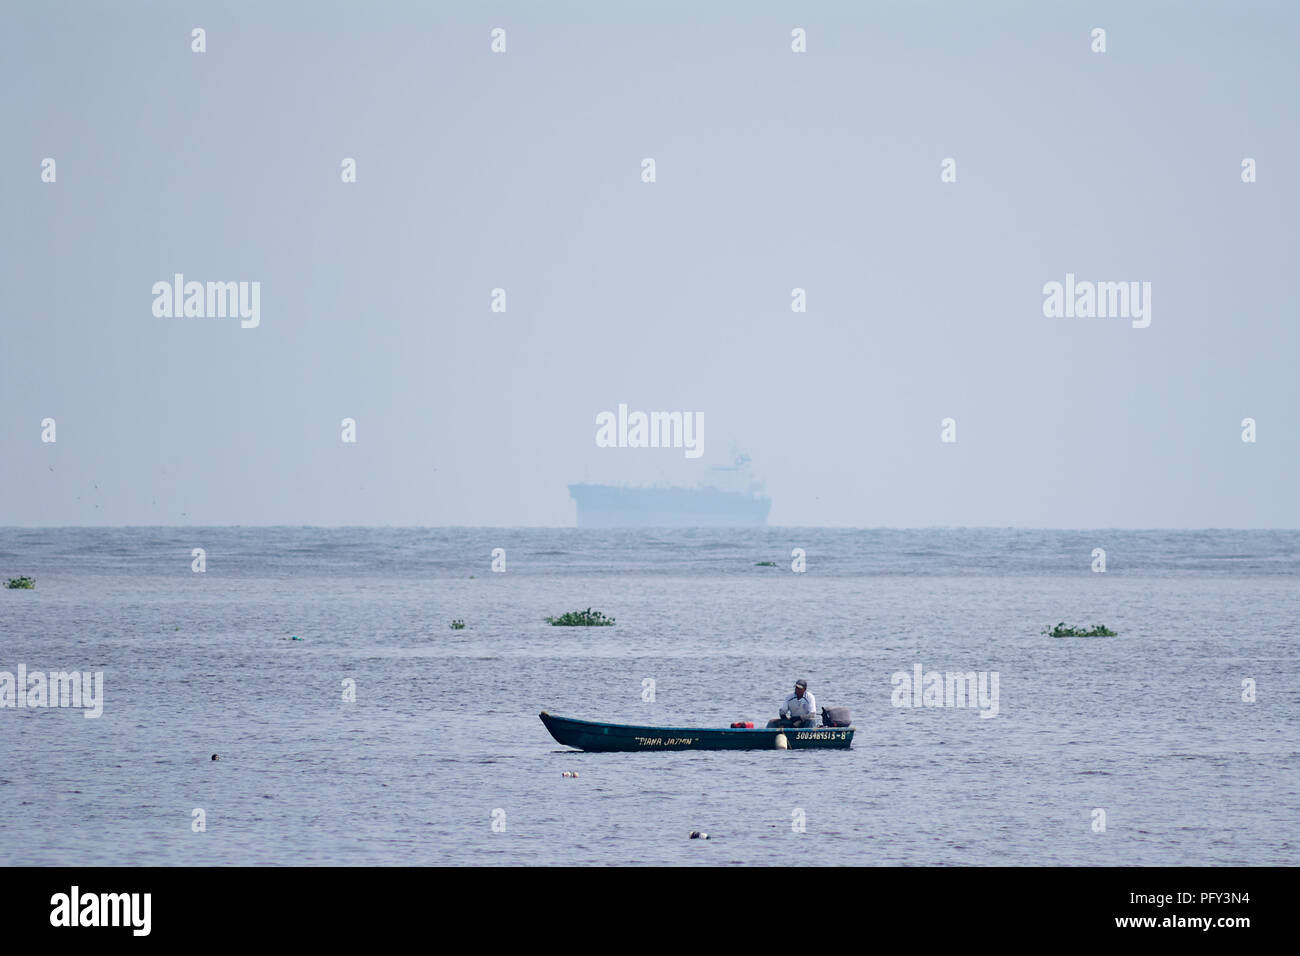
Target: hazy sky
(775,170)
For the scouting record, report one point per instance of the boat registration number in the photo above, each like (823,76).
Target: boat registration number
(821,735)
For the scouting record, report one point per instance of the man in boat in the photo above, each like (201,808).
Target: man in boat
(799,709)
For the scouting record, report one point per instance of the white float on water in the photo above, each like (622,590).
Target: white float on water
(782,743)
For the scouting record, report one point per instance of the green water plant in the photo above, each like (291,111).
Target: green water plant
(1064,630)
(587,618)
(22,582)
(764,564)
(457,625)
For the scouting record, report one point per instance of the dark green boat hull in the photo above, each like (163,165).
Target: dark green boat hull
(589,735)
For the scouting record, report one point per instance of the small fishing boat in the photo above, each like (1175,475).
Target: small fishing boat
(591,735)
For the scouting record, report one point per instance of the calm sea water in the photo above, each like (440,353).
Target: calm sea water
(1149,726)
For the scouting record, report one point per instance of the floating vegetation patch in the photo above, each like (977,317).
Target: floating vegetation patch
(764,564)
(23,582)
(458,625)
(587,618)
(1063,630)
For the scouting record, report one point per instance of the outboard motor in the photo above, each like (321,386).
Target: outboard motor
(836,717)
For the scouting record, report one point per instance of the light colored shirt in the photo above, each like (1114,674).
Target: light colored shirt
(804,707)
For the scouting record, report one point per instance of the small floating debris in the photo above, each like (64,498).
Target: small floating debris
(569,773)
(295,638)
(587,618)
(1064,630)
(28,584)
(764,564)
(699,835)
(216,756)
(458,625)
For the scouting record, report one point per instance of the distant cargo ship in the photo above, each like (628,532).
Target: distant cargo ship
(614,506)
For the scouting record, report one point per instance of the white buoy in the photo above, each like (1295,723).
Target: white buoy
(782,743)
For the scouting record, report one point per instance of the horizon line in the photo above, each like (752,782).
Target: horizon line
(793,527)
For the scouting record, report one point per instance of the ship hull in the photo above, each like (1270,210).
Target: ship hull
(598,736)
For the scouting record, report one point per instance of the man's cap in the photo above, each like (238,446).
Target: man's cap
(801,683)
